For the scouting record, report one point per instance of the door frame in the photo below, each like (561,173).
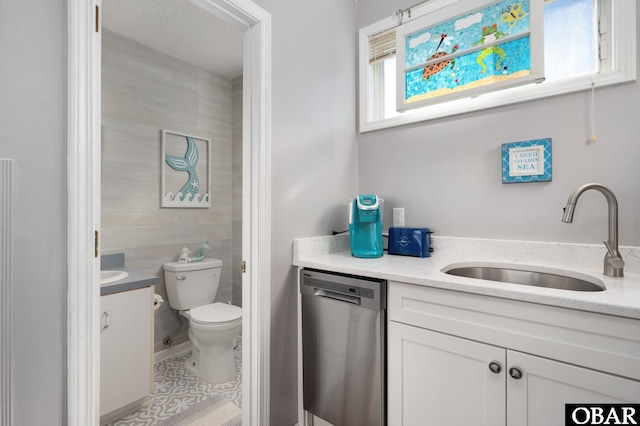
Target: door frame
(83,216)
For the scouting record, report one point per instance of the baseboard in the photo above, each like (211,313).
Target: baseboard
(124,411)
(7,188)
(171,351)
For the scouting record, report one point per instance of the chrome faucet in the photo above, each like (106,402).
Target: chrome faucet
(613,263)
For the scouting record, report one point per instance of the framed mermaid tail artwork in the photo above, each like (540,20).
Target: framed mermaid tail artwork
(186,173)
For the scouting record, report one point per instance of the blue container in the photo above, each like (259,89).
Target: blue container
(410,241)
(365,226)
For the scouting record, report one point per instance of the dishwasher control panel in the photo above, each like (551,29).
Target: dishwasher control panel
(370,293)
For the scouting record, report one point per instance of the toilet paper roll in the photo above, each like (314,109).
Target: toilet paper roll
(157,301)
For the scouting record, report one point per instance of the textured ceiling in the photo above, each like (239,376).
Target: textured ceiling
(180,29)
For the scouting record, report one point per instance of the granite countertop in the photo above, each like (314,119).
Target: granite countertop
(133,281)
(621,297)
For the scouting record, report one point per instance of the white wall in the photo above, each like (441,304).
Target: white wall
(33,132)
(313,157)
(446,173)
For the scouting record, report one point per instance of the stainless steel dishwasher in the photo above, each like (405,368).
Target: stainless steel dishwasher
(343,347)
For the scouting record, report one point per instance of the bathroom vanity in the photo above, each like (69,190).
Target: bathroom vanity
(126,343)
(471,351)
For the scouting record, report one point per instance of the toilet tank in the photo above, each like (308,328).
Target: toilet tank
(194,284)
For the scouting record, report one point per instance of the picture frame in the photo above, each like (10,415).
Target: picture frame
(186,170)
(527,161)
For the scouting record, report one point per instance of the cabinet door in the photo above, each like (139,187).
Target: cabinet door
(125,348)
(539,396)
(441,380)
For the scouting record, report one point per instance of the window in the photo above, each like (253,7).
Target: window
(586,42)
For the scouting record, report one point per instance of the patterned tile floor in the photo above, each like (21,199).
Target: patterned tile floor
(175,389)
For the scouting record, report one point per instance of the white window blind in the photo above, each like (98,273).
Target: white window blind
(382,46)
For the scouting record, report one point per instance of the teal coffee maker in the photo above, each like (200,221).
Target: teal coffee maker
(365,226)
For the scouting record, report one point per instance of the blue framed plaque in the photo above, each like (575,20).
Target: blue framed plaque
(526,161)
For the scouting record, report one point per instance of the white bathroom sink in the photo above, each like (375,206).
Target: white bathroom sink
(107,277)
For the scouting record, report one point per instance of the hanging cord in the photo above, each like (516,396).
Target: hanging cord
(592,130)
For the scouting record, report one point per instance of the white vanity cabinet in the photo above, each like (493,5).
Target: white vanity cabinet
(125,351)
(451,355)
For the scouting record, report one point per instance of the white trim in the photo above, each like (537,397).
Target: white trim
(239,13)
(7,180)
(256,192)
(84,209)
(623,69)
(171,351)
(256,238)
(83,339)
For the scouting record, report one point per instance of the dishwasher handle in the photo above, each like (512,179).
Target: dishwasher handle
(336,296)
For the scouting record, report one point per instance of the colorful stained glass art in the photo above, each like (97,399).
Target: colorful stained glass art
(485,46)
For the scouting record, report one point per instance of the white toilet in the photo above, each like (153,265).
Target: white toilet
(191,289)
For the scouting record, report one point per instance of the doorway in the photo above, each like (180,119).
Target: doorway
(84,206)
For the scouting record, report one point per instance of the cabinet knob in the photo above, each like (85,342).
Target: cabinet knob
(515,373)
(495,367)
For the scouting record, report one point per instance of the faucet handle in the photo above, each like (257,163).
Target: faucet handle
(616,262)
(615,259)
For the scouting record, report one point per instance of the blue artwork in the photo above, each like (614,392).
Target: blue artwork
(182,169)
(526,161)
(187,164)
(476,49)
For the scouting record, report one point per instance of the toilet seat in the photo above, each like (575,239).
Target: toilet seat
(215,313)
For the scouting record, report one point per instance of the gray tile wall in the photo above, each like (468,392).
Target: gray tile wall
(143,92)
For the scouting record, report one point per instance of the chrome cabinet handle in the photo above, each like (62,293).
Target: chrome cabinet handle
(181,277)
(515,373)
(495,367)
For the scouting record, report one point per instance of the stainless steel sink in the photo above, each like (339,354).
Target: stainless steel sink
(525,275)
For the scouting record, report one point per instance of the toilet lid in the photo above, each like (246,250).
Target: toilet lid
(215,312)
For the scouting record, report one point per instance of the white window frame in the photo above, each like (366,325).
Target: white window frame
(617,26)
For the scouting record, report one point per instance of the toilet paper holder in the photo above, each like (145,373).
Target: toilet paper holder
(157,301)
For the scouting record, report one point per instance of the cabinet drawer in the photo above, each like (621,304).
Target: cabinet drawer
(602,342)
